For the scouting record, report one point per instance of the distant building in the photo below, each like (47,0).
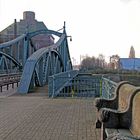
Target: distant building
(132,52)
(129,63)
(114,59)
(27,24)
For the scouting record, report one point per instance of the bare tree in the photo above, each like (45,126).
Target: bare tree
(93,62)
(101,58)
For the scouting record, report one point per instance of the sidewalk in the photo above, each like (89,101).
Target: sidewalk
(40,118)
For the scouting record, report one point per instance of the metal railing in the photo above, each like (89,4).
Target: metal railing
(108,88)
(9,79)
(74,84)
(58,81)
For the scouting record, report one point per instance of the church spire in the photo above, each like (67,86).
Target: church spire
(132,52)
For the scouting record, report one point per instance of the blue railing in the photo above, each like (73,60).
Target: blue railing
(108,88)
(58,81)
(72,84)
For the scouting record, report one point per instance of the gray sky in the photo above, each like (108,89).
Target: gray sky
(97,26)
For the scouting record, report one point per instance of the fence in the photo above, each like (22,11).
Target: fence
(72,83)
(108,88)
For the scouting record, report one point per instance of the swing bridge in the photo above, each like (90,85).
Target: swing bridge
(47,70)
(50,66)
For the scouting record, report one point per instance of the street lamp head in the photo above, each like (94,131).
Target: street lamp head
(71,38)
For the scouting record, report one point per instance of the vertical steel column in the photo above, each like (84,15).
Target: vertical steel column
(53,85)
(32,81)
(26,49)
(101,87)
(41,64)
(11,53)
(18,51)
(2,64)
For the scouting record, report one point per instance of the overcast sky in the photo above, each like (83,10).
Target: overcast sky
(106,27)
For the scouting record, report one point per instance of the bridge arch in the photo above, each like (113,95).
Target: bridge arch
(44,31)
(39,66)
(45,62)
(4,62)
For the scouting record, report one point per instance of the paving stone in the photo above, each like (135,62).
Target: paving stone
(41,118)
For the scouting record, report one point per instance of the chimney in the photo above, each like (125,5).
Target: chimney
(29,16)
(15,28)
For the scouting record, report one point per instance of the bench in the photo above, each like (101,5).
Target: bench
(119,102)
(122,125)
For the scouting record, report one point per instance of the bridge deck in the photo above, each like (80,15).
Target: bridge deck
(41,118)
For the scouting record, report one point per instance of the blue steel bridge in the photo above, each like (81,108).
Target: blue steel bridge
(50,66)
(50,70)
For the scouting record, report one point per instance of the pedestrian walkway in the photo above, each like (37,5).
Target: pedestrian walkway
(41,118)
